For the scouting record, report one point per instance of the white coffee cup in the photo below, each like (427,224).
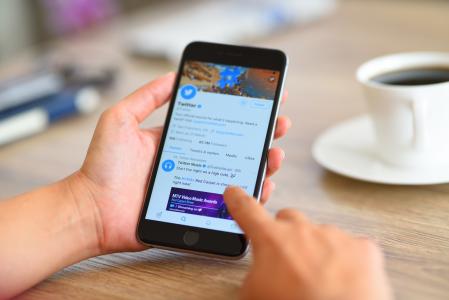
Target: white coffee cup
(411,123)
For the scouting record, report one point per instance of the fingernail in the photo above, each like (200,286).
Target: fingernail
(282,154)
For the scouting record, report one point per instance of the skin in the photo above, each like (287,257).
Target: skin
(95,210)
(312,262)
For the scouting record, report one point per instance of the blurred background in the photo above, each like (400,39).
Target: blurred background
(57,56)
(35,22)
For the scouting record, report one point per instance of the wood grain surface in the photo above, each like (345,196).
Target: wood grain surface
(410,223)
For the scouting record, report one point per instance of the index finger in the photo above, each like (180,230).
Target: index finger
(250,215)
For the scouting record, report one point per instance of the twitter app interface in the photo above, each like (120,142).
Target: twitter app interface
(215,139)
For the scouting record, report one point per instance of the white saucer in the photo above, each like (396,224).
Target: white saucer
(347,149)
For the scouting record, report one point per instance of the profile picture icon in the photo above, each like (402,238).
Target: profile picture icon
(188,91)
(168,165)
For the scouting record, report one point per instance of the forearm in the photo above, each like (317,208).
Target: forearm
(42,232)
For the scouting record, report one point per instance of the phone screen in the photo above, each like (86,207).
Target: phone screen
(215,138)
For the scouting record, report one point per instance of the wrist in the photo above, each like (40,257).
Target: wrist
(85,212)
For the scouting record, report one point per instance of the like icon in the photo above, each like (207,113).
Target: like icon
(188,91)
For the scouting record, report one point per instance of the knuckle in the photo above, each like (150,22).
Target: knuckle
(106,114)
(109,114)
(289,214)
(286,211)
(114,114)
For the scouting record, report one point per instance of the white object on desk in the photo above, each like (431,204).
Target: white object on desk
(411,121)
(348,149)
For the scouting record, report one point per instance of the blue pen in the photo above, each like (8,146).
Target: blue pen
(35,117)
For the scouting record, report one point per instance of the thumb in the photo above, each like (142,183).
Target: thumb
(149,97)
(249,214)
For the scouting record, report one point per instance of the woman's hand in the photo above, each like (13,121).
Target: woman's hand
(95,210)
(296,259)
(113,178)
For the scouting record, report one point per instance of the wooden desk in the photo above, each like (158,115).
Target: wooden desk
(411,223)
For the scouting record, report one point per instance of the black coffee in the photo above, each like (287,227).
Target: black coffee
(420,76)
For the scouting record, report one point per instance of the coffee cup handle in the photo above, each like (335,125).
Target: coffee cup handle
(419,126)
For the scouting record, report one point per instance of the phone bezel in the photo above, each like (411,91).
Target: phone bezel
(212,242)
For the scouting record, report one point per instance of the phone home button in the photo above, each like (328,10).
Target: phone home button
(190,238)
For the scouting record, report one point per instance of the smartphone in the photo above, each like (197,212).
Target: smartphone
(219,127)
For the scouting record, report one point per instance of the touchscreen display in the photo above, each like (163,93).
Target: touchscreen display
(215,138)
